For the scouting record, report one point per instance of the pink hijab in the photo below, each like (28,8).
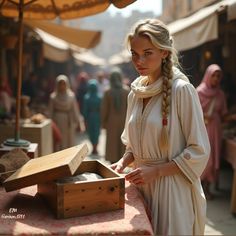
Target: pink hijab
(205,91)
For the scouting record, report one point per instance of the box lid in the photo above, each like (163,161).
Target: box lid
(47,168)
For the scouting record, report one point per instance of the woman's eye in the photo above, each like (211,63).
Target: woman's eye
(147,54)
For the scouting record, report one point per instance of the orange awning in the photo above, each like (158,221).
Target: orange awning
(65,9)
(81,38)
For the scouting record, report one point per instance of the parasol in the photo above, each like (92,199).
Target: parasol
(47,10)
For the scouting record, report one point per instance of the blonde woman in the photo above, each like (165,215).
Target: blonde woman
(164,134)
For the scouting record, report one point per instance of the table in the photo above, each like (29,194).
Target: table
(35,133)
(24,212)
(230,156)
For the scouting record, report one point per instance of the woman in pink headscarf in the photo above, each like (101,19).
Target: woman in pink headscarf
(214,107)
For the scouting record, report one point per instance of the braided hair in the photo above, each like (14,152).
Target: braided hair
(159,36)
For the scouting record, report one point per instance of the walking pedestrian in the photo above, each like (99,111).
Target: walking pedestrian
(91,113)
(164,134)
(215,111)
(113,112)
(64,112)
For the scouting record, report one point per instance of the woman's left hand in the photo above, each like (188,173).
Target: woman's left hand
(143,174)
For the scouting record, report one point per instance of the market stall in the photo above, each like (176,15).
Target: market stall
(23,212)
(229,154)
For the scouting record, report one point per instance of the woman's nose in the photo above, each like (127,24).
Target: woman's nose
(140,59)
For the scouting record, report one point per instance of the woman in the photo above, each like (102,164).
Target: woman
(164,134)
(6,100)
(113,112)
(214,108)
(64,112)
(91,113)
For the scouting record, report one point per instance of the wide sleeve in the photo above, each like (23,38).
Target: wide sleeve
(75,110)
(192,161)
(125,133)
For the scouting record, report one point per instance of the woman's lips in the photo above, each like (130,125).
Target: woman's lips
(141,68)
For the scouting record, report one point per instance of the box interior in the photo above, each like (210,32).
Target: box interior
(94,166)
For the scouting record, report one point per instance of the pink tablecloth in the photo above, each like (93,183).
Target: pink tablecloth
(24,212)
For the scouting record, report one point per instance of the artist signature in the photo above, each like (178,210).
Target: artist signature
(13,214)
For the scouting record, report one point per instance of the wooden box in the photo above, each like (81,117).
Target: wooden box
(71,199)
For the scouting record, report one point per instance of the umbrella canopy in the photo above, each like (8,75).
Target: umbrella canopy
(65,9)
(47,9)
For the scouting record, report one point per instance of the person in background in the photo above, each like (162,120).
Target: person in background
(113,112)
(164,134)
(6,99)
(5,105)
(29,87)
(82,88)
(64,112)
(215,112)
(103,82)
(91,113)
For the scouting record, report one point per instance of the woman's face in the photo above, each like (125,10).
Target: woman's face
(146,58)
(215,79)
(62,86)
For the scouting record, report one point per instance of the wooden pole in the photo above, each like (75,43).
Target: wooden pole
(17,142)
(19,78)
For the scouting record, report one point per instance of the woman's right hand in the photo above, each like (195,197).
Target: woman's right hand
(118,167)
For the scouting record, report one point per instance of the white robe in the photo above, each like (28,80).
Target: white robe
(177,203)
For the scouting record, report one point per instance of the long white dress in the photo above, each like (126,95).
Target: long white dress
(177,203)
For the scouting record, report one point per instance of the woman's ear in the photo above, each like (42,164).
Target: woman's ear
(165,53)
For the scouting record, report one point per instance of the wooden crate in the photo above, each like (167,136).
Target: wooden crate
(72,198)
(85,197)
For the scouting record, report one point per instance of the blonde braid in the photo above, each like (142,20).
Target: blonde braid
(166,91)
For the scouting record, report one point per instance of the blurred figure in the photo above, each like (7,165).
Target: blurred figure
(64,111)
(215,111)
(5,86)
(5,105)
(103,82)
(29,86)
(82,88)
(91,113)
(6,99)
(113,113)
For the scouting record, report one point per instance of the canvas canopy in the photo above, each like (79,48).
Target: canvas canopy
(59,40)
(79,37)
(201,27)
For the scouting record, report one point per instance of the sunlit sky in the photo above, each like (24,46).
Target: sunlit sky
(141,5)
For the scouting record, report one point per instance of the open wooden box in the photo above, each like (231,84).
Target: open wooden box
(73,198)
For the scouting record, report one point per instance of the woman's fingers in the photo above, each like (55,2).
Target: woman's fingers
(132,174)
(135,177)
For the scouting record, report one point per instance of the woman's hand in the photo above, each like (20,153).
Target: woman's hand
(143,174)
(146,173)
(118,167)
(123,162)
